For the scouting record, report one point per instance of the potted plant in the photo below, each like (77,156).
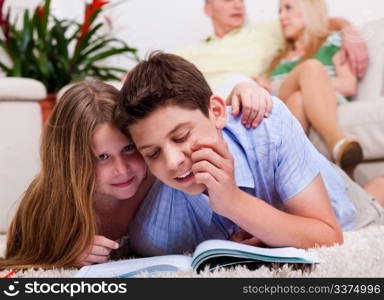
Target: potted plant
(56,51)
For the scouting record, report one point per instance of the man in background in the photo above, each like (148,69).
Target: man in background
(237,51)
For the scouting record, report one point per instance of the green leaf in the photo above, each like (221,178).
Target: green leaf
(5,68)
(43,64)
(53,50)
(98,44)
(47,6)
(104,54)
(83,42)
(26,33)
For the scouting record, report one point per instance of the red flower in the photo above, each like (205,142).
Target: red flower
(4,22)
(99,3)
(40,12)
(90,9)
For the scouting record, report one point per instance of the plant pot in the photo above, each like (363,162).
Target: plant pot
(47,106)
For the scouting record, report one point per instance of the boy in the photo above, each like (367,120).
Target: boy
(269,181)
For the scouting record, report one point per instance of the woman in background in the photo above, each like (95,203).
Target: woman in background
(311,79)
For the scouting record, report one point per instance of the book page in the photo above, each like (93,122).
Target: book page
(132,267)
(224,247)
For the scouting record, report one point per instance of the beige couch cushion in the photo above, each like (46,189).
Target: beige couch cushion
(371,86)
(364,117)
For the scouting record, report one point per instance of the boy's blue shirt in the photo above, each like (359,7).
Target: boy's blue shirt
(273,162)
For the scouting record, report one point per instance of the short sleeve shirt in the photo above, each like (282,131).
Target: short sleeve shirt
(246,51)
(273,162)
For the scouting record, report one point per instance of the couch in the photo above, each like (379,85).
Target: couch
(364,117)
(21,124)
(20,130)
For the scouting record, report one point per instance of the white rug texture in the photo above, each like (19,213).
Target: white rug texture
(361,255)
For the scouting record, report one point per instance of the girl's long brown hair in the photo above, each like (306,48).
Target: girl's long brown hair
(55,220)
(315,14)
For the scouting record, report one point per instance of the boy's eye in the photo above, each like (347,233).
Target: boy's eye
(181,139)
(153,155)
(103,156)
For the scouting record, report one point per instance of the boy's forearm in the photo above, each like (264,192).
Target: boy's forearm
(277,228)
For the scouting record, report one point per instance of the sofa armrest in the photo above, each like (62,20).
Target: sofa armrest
(363,120)
(21,89)
(20,129)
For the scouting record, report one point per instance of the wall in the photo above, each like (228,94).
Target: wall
(170,24)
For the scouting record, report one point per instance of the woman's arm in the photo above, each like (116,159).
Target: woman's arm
(345,82)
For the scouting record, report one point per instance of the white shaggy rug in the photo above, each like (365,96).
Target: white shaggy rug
(361,255)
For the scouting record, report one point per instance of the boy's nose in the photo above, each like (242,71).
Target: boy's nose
(174,159)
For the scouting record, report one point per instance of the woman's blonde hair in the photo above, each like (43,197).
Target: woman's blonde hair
(315,14)
(55,220)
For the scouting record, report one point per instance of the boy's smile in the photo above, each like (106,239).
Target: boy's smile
(166,138)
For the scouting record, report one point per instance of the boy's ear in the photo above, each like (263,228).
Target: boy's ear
(218,111)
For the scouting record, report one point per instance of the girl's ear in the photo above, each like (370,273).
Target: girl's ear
(218,111)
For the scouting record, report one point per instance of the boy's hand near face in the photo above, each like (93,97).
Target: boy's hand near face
(213,166)
(252,100)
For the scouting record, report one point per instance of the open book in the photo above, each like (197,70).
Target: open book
(211,253)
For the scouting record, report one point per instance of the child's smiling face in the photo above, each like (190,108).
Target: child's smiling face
(166,138)
(120,169)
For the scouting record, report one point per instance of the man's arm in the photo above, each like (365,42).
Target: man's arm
(354,48)
(345,82)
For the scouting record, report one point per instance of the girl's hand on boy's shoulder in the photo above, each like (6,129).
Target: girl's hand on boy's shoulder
(253,101)
(213,166)
(97,252)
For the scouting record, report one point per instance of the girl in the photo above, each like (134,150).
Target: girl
(68,203)
(310,77)
(91,183)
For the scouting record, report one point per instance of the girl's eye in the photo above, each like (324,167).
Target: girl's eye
(129,148)
(102,156)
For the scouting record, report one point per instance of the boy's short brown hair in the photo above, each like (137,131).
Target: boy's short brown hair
(161,79)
